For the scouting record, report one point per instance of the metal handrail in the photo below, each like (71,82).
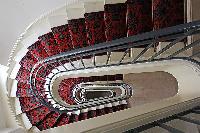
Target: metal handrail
(174,34)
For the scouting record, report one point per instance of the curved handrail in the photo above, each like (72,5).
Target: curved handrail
(175,34)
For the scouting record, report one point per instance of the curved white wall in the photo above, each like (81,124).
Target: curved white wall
(16,15)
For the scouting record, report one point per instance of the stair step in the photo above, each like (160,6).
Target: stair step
(77,31)
(28,103)
(114,1)
(15,70)
(49,43)
(171,50)
(23,75)
(62,37)
(139,17)
(76,22)
(37,114)
(17,107)
(94,20)
(23,90)
(136,51)
(38,50)
(100,60)
(28,61)
(42,27)
(88,62)
(115,21)
(26,121)
(91,6)
(63,120)
(49,122)
(160,17)
(21,53)
(59,12)
(115,57)
(58,20)
(14,88)
(34,129)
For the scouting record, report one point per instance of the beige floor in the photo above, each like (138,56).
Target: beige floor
(150,87)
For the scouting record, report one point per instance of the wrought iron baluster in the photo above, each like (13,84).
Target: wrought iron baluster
(62,65)
(124,55)
(143,52)
(54,67)
(184,49)
(72,64)
(170,45)
(108,57)
(94,60)
(82,61)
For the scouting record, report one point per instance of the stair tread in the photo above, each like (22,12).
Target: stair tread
(49,43)
(37,114)
(49,121)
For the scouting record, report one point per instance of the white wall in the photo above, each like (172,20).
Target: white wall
(15,16)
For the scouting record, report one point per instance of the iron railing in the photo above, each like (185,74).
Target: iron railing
(148,40)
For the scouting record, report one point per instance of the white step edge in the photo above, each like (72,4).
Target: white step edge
(71,2)
(61,11)
(100,107)
(76,112)
(26,121)
(123,102)
(21,50)
(136,51)
(75,11)
(3,78)
(17,106)
(108,105)
(18,57)
(78,64)
(42,27)
(13,88)
(99,60)
(92,108)
(68,66)
(115,103)
(55,71)
(58,20)
(61,68)
(50,75)
(88,62)
(117,56)
(114,1)
(34,129)
(28,41)
(15,71)
(12,130)
(84,110)
(94,6)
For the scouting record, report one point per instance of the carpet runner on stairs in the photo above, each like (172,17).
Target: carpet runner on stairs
(111,21)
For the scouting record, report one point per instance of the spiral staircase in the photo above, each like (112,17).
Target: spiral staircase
(67,71)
